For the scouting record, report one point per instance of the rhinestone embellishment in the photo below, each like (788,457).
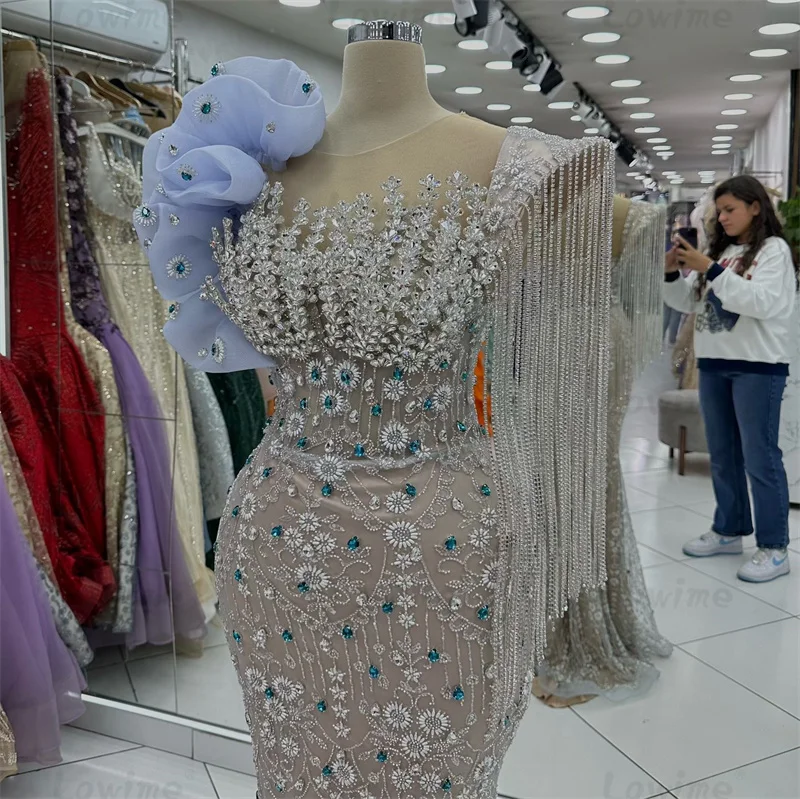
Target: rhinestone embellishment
(206,108)
(179,267)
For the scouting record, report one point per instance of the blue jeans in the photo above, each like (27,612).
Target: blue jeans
(742,414)
(672,323)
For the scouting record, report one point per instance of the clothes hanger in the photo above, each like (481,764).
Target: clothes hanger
(102,88)
(112,130)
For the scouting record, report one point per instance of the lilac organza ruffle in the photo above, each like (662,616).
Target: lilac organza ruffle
(209,165)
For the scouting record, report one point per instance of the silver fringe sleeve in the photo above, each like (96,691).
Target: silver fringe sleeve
(550,372)
(638,279)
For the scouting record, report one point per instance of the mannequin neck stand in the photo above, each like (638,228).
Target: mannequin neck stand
(385,97)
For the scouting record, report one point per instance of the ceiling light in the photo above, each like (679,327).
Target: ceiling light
(783,2)
(740,96)
(643,115)
(647,130)
(603,37)
(626,83)
(588,12)
(473,44)
(498,107)
(733,112)
(300,3)
(575,118)
(636,100)
(745,78)
(727,126)
(704,173)
(434,69)
(780,28)
(769,52)
(612,59)
(707,180)
(661,147)
(667,154)
(531,87)
(499,65)
(676,181)
(560,105)
(469,90)
(722,138)
(345,23)
(720,152)
(591,131)
(632,174)
(669,172)
(521,120)
(657,141)
(441,18)
(725,145)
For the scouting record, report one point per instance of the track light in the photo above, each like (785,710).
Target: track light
(473,16)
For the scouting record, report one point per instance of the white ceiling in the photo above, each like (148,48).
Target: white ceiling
(684,51)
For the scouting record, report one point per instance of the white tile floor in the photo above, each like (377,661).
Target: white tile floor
(723,720)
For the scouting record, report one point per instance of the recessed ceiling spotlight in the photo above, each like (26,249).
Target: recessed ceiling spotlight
(722,138)
(441,18)
(647,130)
(469,90)
(575,118)
(345,23)
(632,174)
(725,145)
(749,78)
(677,181)
(667,154)
(602,37)
(473,44)
(588,12)
(783,2)
(521,120)
(727,126)
(658,147)
(739,96)
(643,115)
(704,173)
(720,152)
(612,59)
(531,87)
(591,131)
(560,105)
(669,172)
(707,180)
(769,52)
(733,112)
(636,100)
(657,141)
(435,69)
(499,65)
(300,3)
(498,107)
(780,28)
(626,83)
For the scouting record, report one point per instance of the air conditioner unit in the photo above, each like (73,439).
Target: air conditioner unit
(135,29)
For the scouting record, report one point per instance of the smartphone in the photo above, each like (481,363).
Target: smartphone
(689,234)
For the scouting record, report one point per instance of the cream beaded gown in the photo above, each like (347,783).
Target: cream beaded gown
(382,589)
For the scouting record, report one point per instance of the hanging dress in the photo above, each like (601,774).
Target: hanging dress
(8,751)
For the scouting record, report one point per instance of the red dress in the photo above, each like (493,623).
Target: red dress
(51,373)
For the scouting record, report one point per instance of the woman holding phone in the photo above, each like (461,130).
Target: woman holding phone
(743,293)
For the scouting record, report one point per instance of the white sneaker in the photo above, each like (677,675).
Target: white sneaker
(712,543)
(765,565)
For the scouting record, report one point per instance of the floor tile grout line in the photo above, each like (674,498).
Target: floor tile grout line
(210,778)
(133,687)
(711,637)
(730,771)
(740,684)
(133,747)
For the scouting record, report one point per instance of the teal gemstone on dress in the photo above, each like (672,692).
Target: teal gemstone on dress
(328,403)
(279,787)
(281,422)
(483,612)
(248,460)
(216,70)
(428,404)
(359,451)
(377,410)
(398,373)
(269,693)
(303,404)
(276,531)
(411,491)
(388,607)
(414,447)
(346,376)
(434,656)
(451,543)
(287,636)
(315,375)
(444,365)
(235,511)
(322,705)
(180,267)
(347,633)
(458,694)
(327,490)
(266,473)
(205,108)
(303,587)
(374,672)
(269,421)
(486,491)
(327,771)
(307,87)
(302,442)
(353,544)
(237,575)
(447,785)
(381,757)
(172,308)
(462,428)
(464,376)
(187,175)
(237,637)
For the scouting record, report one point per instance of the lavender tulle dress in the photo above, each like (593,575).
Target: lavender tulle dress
(40,680)
(156,614)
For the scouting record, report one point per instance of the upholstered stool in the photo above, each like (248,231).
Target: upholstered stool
(680,424)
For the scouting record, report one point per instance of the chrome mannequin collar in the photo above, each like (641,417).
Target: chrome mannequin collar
(385,30)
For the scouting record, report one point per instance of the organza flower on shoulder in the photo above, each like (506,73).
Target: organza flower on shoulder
(252,114)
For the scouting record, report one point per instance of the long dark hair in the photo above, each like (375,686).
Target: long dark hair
(749,190)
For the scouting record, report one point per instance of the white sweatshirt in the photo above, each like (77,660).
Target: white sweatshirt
(746,318)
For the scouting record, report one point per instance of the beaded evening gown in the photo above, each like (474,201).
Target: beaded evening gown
(382,600)
(112,186)
(605,642)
